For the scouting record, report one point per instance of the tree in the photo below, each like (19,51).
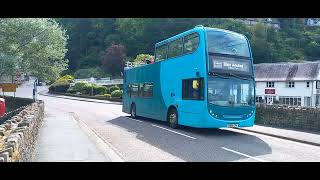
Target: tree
(113,59)
(38,43)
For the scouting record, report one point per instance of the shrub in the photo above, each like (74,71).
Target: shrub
(59,86)
(80,86)
(71,91)
(116,93)
(107,95)
(113,88)
(68,78)
(100,90)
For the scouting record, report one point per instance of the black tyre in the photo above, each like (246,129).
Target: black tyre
(133,111)
(173,118)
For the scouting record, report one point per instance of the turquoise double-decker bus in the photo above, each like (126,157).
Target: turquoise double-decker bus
(200,78)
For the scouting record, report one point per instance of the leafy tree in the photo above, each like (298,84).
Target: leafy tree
(39,44)
(113,59)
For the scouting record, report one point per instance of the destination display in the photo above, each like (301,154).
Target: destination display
(228,63)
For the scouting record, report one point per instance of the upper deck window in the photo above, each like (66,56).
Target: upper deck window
(191,42)
(227,43)
(175,48)
(161,52)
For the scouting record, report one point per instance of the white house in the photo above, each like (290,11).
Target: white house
(293,84)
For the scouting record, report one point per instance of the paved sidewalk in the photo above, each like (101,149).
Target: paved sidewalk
(45,93)
(62,139)
(299,136)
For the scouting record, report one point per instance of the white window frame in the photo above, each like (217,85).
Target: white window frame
(270,84)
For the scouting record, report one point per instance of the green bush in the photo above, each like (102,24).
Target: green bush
(107,95)
(59,86)
(68,78)
(100,90)
(113,88)
(116,93)
(71,91)
(80,86)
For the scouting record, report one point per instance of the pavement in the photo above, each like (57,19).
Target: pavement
(289,134)
(61,139)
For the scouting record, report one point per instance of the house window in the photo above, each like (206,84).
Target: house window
(318,85)
(259,99)
(290,84)
(270,84)
(307,101)
(290,100)
(308,84)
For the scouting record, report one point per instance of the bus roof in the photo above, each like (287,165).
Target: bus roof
(197,28)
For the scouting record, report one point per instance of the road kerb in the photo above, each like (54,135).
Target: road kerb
(106,148)
(281,137)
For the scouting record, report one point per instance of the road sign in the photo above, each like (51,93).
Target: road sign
(8,87)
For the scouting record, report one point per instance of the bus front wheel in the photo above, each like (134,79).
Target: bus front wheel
(173,118)
(133,111)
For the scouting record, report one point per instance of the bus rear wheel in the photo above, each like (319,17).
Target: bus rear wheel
(133,111)
(173,118)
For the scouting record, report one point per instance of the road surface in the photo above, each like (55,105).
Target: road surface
(150,140)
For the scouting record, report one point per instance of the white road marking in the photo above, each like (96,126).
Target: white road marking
(174,131)
(257,159)
(133,119)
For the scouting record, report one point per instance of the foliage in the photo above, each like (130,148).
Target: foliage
(59,86)
(90,37)
(113,59)
(143,57)
(39,45)
(107,95)
(79,86)
(113,88)
(71,91)
(116,93)
(68,78)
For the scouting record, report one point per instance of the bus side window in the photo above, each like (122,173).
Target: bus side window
(161,52)
(193,89)
(175,48)
(191,42)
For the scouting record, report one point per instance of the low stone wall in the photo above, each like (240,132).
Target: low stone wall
(18,134)
(289,117)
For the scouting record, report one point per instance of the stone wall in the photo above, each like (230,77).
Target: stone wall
(18,134)
(288,117)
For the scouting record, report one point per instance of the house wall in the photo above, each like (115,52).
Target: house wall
(300,90)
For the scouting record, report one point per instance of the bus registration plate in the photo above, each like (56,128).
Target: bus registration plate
(232,125)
